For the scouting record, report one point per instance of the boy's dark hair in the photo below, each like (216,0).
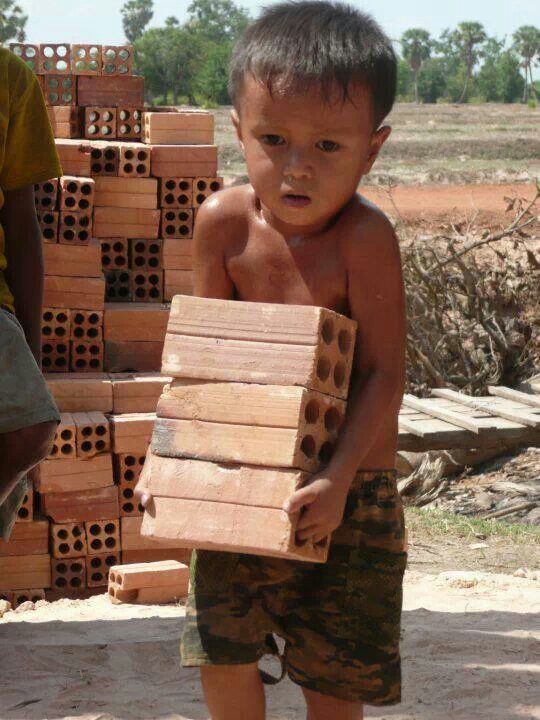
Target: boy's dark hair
(305,42)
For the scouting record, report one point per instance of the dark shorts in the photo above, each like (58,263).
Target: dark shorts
(340,620)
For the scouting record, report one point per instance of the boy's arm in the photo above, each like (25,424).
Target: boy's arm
(377,303)
(24,273)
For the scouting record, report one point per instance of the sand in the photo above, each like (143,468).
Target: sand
(470,650)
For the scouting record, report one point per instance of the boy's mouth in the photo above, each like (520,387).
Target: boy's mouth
(296,201)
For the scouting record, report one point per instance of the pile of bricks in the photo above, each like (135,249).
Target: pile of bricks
(118,226)
(257,400)
(117,234)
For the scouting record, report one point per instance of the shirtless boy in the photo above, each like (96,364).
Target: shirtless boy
(311,84)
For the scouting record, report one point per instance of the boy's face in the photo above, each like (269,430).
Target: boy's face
(305,157)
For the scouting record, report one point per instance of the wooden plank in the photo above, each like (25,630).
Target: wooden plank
(446,415)
(517,395)
(483,404)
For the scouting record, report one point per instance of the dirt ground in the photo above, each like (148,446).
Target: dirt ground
(470,650)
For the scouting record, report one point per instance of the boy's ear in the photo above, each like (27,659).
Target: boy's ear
(236,122)
(377,141)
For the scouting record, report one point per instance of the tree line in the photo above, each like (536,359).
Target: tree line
(187,62)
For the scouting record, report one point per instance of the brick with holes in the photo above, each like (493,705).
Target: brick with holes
(147,285)
(86,355)
(86,325)
(268,425)
(114,253)
(93,435)
(55,324)
(145,254)
(129,123)
(76,194)
(68,573)
(263,343)
(117,60)
(46,194)
(176,192)
(75,227)
(64,445)
(26,511)
(103,536)
(73,475)
(158,582)
(7,595)
(204,187)
(32,595)
(118,285)
(105,157)
(55,59)
(28,53)
(59,89)
(68,540)
(100,122)
(86,59)
(48,223)
(127,471)
(55,355)
(76,293)
(135,160)
(176,223)
(98,566)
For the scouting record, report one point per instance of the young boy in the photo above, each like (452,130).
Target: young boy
(311,84)
(28,415)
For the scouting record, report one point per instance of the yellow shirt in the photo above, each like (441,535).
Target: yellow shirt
(27,150)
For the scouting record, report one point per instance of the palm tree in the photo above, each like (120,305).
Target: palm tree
(466,38)
(416,46)
(527,44)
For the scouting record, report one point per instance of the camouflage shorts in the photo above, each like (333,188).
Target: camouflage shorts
(340,620)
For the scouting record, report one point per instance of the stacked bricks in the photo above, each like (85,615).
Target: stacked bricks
(155,582)
(256,404)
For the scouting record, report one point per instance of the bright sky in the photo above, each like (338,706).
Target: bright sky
(99,21)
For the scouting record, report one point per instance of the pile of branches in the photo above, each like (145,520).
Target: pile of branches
(473,303)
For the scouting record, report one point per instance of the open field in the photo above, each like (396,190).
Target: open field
(458,144)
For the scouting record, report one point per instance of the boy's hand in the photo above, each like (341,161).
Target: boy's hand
(322,503)
(141,491)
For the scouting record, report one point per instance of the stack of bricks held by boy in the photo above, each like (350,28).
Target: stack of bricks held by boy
(257,400)
(106,231)
(117,228)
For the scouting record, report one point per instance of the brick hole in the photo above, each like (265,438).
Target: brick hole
(339,374)
(66,449)
(311,412)
(96,168)
(201,185)
(107,116)
(184,230)
(142,155)
(61,568)
(48,316)
(54,450)
(62,317)
(100,430)
(344,341)
(86,446)
(97,577)
(62,534)
(129,460)
(93,129)
(47,348)
(129,475)
(78,545)
(35,598)
(183,200)
(183,185)
(46,202)
(153,262)
(332,419)
(127,493)
(63,548)
(48,234)
(84,204)
(110,560)
(76,532)
(308,446)
(60,332)
(215,186)
(96,544)
(110,154)
(69,220)
(139,261)
(95,529)
(128,507)
(170,184)
(62,348)
(112,577)
(21,599)
(60,362)
(123,292)
(141,169)
(323,368)
(129,155)
(48,187)
(327,331)
(46,330)
(95,562)
(100,445)
(326,451)
(92,333)
(78,332)
(200,199)
(106,130)
(69,202)
(75,582)
(71,187)
(110,543)
(169,199)
(86,431)
(96,153)
(60,582)
(111,591)
(128,168)
(23,513)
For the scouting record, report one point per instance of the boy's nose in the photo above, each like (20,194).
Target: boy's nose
(298,167)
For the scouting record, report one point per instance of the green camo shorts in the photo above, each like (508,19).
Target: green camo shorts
(24,401)
(340,620)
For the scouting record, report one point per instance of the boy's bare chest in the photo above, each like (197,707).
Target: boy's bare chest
(299,271)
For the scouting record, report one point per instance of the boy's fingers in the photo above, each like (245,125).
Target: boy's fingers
(144,497)
(302,497)
(306,533)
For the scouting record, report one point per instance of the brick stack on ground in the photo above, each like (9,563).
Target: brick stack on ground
(143,583)
(257,400)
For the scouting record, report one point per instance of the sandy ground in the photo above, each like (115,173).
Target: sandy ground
(470,648)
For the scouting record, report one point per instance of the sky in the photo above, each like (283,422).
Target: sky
(99,21)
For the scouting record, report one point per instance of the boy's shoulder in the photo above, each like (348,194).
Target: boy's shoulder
(364,230)
(226,213)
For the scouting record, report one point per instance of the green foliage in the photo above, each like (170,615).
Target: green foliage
(499,78)
(218,21)
(527,44)
(466,42)
(12,22)
(211,80)
(136,14)
(416,47)
(432,80)
(403,79)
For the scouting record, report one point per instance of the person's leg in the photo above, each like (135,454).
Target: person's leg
(233,692)
(323,707)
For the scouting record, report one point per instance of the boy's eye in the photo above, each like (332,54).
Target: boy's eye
(272,139)
(328,145)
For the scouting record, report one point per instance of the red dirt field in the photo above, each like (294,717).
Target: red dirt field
(455,202)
